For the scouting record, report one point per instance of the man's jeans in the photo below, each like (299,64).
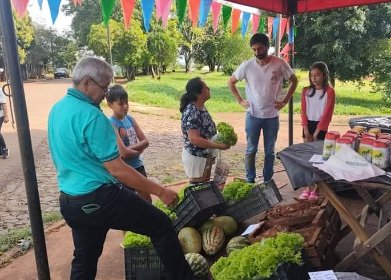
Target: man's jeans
(253,131)
(2,142)
(115,207)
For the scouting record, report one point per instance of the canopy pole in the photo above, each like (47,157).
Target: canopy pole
(291,63)
(24,137)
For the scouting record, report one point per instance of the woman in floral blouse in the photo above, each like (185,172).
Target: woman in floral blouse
(197,129)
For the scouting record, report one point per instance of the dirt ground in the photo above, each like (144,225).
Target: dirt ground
(162,159)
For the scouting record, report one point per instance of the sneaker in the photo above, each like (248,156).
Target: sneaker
(5,154)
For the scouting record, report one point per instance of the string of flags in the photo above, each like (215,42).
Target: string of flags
(198,13)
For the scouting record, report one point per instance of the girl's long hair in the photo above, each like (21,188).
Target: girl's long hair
(193,88)
(321,66)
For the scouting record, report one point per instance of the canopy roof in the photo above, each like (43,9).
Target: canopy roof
(290,7)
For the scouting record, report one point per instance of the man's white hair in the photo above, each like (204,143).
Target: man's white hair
(93,67)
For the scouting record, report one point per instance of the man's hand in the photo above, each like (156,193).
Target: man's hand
(279,105)
(245,104)
(169,197)
(223,146)
(6,119)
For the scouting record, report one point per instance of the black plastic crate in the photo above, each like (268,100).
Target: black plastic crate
(289,271)
(199,204)
(143,263)
(261,198)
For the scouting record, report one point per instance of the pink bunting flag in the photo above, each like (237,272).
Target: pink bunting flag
(77,2)
(255,23)
(270,21)
(127,10)
(20,7)
(283,26)
(158,9)
(216,9)
(235,20)
(194,9)
(165,6)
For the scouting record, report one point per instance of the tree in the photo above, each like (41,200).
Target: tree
(192,38)
(381,71)
(346,39)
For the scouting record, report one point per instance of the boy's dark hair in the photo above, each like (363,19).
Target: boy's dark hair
(193,89)
(117,93)
(259,38)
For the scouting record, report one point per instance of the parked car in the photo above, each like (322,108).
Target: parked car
(61,72)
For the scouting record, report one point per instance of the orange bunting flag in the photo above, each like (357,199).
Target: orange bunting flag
(270,21)
(20,7)
(194,9)
(235,20)
(127,10)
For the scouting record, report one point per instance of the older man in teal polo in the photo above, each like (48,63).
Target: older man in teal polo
(84,151)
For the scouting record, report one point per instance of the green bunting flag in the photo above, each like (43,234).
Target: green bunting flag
(226,15)
(107,9)
(180,10)
(262,24)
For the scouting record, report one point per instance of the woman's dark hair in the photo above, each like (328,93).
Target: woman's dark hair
(322,67)
(193,88)
(259,38)
(116,93)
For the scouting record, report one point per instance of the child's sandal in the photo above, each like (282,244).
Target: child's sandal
(305,195)
(313,195)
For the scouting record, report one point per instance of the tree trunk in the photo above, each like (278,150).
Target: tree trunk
(212,67)
(332,74)
(153,72)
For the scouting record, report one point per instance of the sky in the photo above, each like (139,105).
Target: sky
(62,23)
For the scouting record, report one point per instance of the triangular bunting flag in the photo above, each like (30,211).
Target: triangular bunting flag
(165,6)
(180,9)
(245,19)
(290,35)
(269,26)
(204,11)
(235,20)
(283,25)
(158,9)
(194,9)
(216,7)
(107,9)
(20,7)
(275,27)
(287,27)
(262,25)
(127,10)
(41,1)
(255,23)
(54,6)
(147,8)
(226,15)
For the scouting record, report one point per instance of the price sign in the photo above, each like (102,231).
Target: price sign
(323,275)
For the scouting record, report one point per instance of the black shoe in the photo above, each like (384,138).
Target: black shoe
(5,154)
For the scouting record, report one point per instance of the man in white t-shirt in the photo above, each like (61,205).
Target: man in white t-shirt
(4,153)
(264,75)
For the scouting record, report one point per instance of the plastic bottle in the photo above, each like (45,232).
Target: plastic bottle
(365,148)
(329,144)
(381,153)
(343,141)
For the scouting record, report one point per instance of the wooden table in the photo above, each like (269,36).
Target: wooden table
(301,173)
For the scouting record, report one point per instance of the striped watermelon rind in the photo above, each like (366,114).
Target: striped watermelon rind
(212,240)
(237,243)
(199,265)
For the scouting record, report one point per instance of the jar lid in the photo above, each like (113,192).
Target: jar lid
(352,135)
(367,140)
(381,143)
(332,135)
(345,140)
(353,132)
(369,134)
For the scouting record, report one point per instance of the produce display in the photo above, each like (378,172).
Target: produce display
(167,210)
(226,134)
(190,240)
(212,240)
(237,190)
(260,259)
(199,265)
(237,243)
(226,223)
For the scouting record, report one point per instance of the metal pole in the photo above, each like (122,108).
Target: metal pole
(291,63)
(109,43)
(24,137)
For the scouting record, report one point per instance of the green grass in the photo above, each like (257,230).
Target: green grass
(166,93)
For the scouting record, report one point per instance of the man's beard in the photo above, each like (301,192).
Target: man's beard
(261,56)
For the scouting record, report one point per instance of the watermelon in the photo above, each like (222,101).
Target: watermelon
(237,243)
(199,265)
(226,223)
(190,240)
(206,225)
(212,240)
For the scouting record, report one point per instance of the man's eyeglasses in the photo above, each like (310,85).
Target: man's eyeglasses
(105,89)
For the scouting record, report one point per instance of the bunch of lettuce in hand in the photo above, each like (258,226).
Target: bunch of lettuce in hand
(226,134)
